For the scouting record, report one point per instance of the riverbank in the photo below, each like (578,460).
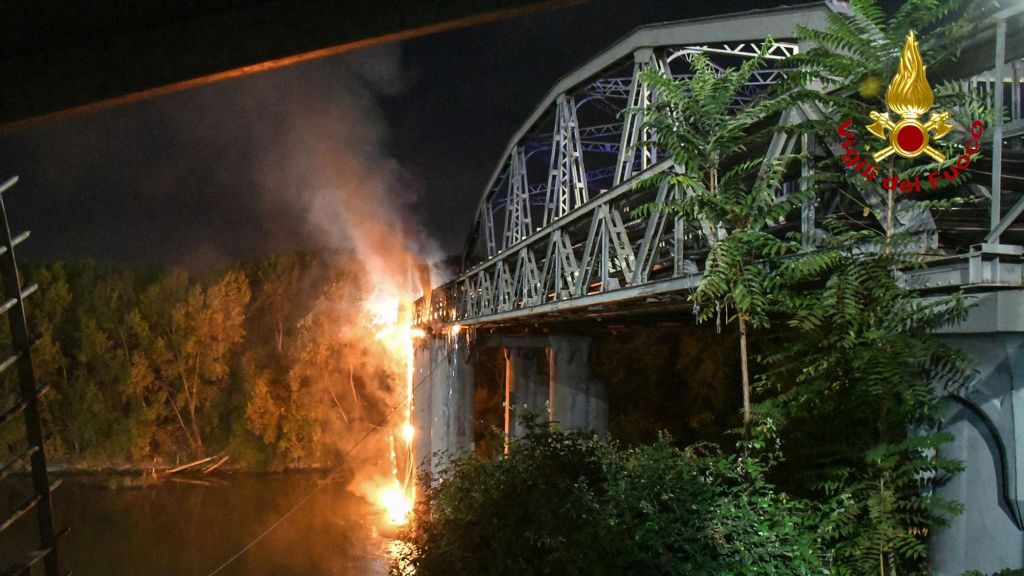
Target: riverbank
(63,469)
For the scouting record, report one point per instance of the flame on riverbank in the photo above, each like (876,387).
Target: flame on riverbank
(392,319)
(396,503)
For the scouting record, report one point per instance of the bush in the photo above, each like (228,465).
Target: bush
(567,503)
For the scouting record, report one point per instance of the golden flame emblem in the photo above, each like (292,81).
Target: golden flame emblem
(910,97)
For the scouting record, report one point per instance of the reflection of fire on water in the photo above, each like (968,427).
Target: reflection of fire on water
(393,320)
(397,551)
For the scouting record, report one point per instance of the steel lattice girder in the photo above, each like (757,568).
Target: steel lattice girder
(590,246)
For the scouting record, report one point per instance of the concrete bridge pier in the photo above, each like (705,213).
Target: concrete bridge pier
(422,394)
(577,400)
(526,387)
(443,402)
(547,376)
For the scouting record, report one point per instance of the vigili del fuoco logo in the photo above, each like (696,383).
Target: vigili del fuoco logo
(908,99)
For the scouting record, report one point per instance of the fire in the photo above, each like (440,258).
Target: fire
(393,322)
(383,309)
(396,502)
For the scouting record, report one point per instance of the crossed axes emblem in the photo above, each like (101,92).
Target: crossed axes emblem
(909,137)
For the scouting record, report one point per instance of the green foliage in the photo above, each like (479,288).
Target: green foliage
(855,361)
(731,192)
(858,378)
(866,43)
(567,503)
(727,187)
(858,369)
(844,74)
(268,363)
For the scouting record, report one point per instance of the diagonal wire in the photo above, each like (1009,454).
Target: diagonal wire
(321,483)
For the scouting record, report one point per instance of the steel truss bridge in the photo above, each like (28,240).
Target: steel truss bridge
(556,229)
(558,243)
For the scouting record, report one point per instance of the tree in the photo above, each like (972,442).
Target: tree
(857,359)
(728,189)
(47,313)
(191,343)
(847,65)
(210,323)
(858,379)
(150,367)
(855,384)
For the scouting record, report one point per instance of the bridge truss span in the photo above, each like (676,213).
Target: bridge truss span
(559,246)
(558,227)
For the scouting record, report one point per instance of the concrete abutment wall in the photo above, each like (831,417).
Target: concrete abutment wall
(987,422)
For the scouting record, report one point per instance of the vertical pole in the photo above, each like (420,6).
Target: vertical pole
(509,408)
(997,132)
(26,378)
(678,237)
(605,252)
(1015,113)
(488,224)
(630,119)
(807,207)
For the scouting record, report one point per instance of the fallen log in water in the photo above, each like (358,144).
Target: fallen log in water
(189,465)
(192,481)
(215,465)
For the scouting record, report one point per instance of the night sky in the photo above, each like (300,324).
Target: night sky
(272,162)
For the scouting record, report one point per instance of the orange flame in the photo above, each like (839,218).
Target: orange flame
(393,323)
(396,502)
(909,94)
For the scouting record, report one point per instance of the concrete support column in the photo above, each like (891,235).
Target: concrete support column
(451,397)
(526,388)
(421,400)
(576,399)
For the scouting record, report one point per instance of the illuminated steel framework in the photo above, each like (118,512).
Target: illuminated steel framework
(557,228)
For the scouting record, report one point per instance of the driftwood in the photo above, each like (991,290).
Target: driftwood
(189,465)
(193,481)
(215,465)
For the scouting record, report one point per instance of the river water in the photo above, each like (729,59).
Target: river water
(190,526)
